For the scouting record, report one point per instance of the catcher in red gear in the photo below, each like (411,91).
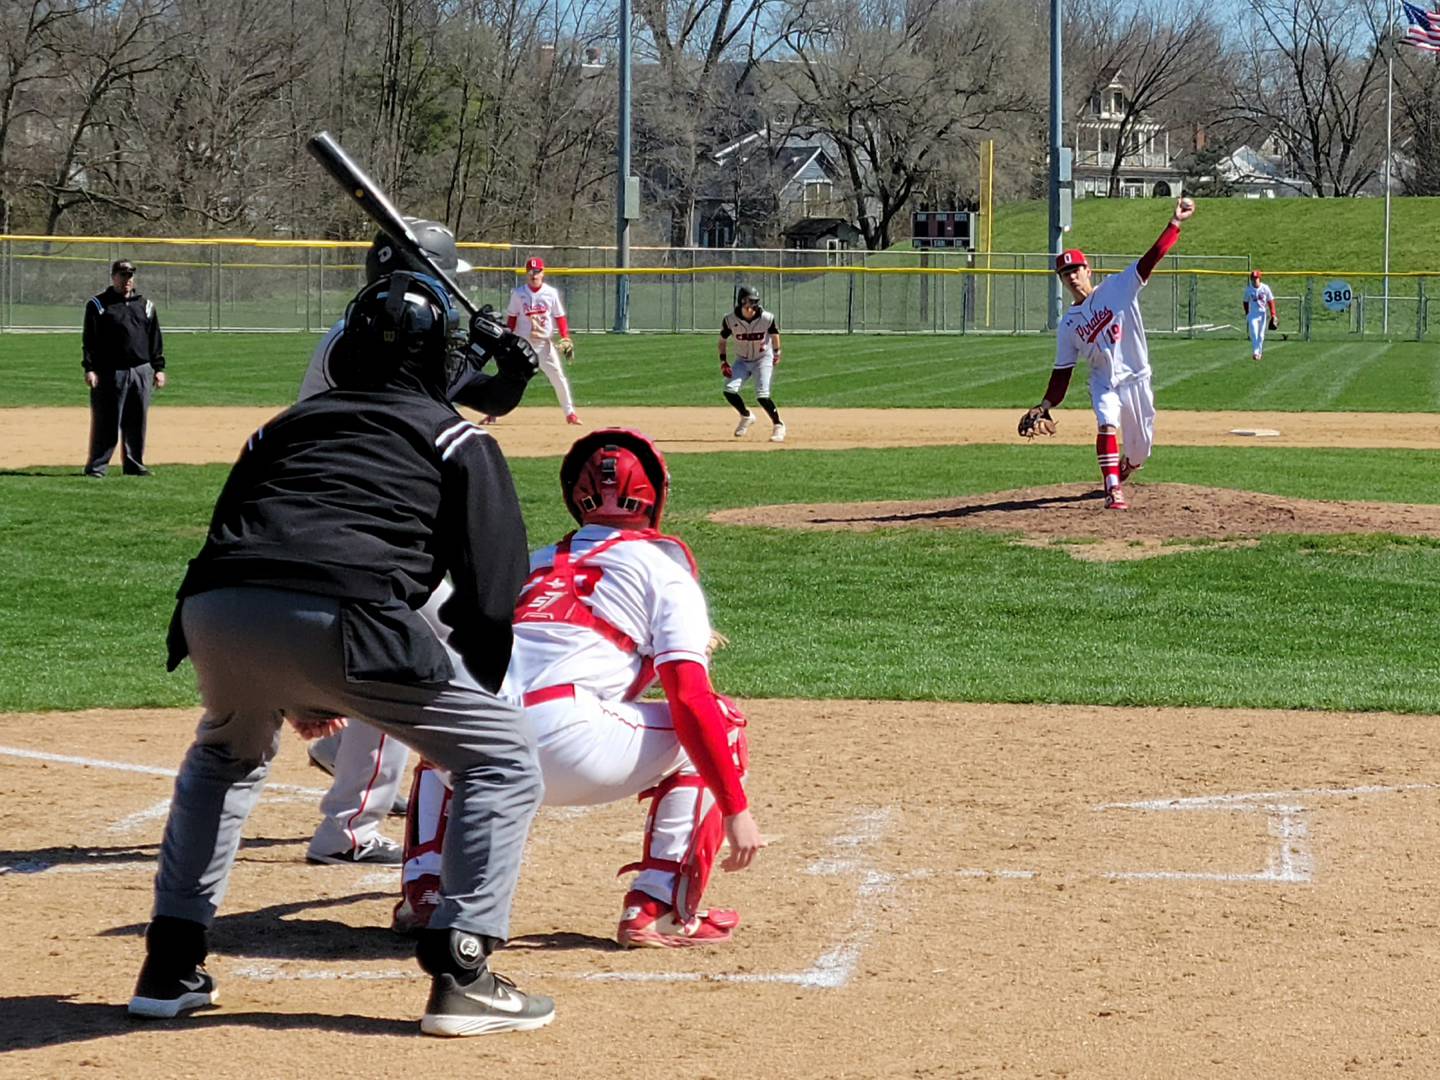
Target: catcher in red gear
(611,608)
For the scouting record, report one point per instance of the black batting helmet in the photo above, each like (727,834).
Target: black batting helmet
(746,294)
(400,320)
(384,257)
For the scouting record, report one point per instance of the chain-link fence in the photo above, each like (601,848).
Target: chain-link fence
(259,285)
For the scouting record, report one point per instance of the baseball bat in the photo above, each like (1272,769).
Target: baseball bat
(379,209)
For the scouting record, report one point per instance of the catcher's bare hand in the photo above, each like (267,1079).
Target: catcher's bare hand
(567,348)
(1036,421)
(745,841)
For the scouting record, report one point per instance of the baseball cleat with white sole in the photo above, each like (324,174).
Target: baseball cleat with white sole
(778,435)
(744,425)
(161,996)
(647,923)
(487,1004)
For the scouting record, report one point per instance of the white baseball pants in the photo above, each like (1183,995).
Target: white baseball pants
(1257,320)
(1129,407)
(760,370)
(554,370)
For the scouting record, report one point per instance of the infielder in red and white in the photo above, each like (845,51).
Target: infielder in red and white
(1105,327)
(1259,301)
(535,313)
(606,611)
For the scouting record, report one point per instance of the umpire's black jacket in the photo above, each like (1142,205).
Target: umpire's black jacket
(372,497)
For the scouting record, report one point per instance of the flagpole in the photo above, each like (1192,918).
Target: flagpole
(1389,156)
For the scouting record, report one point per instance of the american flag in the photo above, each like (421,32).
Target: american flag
(1424,29)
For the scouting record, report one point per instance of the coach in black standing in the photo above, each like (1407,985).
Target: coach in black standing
(124,357)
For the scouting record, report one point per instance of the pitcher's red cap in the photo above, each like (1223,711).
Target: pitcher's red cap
(534,264)
(1068,260)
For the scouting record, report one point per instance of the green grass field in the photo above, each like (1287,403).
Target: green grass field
(873,371)
(1335,622)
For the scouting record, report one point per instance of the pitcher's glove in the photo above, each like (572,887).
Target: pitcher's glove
(1274,323)
(1036,421)
(567,348)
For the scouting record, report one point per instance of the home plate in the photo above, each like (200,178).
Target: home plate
(1259,432)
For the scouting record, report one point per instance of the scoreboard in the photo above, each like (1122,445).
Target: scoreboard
(943,228)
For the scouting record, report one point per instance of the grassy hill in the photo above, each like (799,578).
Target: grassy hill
(1321,235)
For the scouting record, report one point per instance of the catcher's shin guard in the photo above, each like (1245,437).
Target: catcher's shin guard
(425,821)
(683,833)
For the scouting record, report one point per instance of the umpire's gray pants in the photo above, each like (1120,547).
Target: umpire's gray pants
(259,653)
(119,408)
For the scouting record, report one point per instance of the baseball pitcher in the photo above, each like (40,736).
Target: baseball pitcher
(606,611)
(1104,326)
(1259,302)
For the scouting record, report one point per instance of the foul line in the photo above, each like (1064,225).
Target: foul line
(125,766)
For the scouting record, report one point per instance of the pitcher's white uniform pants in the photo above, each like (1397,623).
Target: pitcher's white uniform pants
(369,768)
(1130,407)
(554,370)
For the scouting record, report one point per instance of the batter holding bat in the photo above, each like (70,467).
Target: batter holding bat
(1104,326)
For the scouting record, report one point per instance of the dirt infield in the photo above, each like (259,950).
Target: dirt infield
(184,435)
(952,890)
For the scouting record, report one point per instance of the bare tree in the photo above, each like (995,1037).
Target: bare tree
(898,86)
(1159,53)
(1314,80)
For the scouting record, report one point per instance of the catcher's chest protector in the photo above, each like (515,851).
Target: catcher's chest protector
(558,594)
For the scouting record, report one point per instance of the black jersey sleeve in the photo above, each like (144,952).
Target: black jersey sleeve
(482,544)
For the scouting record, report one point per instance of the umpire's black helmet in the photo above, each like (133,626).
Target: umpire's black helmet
(384,257)
(402,321)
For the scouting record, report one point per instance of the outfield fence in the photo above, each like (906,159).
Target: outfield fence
(304,285)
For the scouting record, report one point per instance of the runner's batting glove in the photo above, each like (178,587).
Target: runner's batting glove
(725,368)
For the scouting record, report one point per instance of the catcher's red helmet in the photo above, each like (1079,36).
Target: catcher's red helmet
(615,476)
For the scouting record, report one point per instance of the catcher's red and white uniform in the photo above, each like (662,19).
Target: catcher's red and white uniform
(536,314)
(600,612)
(1107,329)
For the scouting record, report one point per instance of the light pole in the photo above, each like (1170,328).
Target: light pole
(622,181)
(1057,230)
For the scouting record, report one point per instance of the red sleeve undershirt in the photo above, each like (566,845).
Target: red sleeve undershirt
(563,325)
(1158,251)
(703,732)
(510,321)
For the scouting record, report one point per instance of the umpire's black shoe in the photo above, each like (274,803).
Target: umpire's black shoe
(162,993)
(486,1004)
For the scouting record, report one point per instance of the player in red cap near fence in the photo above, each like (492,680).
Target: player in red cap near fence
(1104,326)
(1259,302)
(535,313)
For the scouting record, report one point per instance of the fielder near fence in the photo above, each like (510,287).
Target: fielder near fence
(304,285)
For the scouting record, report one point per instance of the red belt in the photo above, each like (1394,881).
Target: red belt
(549,693)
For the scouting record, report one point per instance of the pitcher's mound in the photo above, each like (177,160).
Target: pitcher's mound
(1160,521)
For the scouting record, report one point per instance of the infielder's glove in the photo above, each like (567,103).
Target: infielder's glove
(567,348)
(1036,421)
(1274,323)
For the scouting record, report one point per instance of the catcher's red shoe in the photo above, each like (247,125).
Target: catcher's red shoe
(1127,470)
(1115,499)
(647,923)
(418,901)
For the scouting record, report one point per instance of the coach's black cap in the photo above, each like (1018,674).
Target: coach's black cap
(122,266)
